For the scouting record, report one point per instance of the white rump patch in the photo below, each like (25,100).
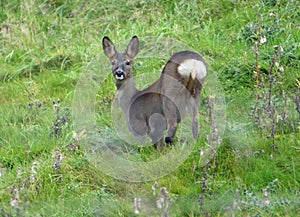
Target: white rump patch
(192,67)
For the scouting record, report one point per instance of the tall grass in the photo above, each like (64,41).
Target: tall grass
(45,46)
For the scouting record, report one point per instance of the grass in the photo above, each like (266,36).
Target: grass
(45,48)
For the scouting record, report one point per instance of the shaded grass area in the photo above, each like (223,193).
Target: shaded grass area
(45,46)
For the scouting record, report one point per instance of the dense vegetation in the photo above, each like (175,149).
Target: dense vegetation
(252,49)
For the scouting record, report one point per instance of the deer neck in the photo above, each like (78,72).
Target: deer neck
(125,93)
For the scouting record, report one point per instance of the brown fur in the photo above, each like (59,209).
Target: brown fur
(172,96)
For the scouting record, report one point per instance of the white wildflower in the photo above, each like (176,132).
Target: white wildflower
(154,186)
(160,202)
(263,40)
(137,205)
(281,69)
(281,49)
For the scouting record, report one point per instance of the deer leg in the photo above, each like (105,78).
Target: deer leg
(170,112)
(172,128)
(157,125)
(158,144)
(195,124)
(195,115)
(138,125)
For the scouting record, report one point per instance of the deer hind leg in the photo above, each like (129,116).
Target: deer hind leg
(157,126)
(171,113)
(195,117)
(158,144)
(172,128)
(138,125)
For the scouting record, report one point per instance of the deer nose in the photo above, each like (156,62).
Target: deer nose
(120,75)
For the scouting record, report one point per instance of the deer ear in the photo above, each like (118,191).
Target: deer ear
(133,47)
(108,47)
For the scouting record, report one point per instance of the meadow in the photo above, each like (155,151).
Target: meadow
(246,161)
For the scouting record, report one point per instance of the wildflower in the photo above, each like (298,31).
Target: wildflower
(56,165)
(262,40)
(74,143)
(200,200)
(2,170)
(201,153)
(160,203)
(281,49)
(267,202)
(194,167)
(271,14)
(16,198)
(19,173)
(265,193)
(33,168)
(164,191)
(14,202)
(137,205)
(281,69)
(154,187)
(33,172)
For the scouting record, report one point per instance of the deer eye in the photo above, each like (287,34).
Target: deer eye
(113,62)
(127,62)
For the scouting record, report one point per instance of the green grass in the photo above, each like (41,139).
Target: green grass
(45,47)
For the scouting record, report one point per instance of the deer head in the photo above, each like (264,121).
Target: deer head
(121,62)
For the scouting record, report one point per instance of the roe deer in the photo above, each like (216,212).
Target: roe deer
(162,105)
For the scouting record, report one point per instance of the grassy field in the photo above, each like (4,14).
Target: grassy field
(47,47)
